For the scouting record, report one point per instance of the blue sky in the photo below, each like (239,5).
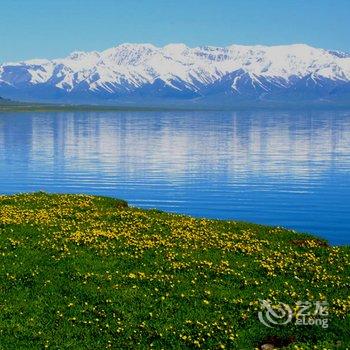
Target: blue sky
(54,28)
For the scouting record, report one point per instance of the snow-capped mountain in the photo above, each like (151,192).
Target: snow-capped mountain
(143,73)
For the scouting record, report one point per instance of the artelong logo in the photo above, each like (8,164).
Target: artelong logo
(306,313)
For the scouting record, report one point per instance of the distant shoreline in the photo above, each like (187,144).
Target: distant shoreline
(48,107)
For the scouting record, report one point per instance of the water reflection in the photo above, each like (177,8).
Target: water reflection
(287,168)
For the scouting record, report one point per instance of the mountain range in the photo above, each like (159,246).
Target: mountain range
(175,73)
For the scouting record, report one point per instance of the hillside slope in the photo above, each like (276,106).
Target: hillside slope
(83,272)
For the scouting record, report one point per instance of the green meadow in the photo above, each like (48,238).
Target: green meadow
(85,272)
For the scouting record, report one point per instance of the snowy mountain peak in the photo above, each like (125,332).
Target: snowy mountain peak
(176,71)
(339,54)
(81,55)
(175,48)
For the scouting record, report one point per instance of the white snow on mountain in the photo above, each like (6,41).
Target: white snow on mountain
(130,67)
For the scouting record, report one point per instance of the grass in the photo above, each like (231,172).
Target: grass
(84,272)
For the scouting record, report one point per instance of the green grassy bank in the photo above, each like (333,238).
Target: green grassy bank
(83,272)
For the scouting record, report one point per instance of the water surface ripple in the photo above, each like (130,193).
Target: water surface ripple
(280,168)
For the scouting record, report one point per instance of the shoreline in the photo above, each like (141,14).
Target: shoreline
(274,106)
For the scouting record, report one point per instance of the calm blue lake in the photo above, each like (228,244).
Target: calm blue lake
(281,168)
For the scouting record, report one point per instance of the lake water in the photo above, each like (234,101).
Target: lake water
(282,168)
